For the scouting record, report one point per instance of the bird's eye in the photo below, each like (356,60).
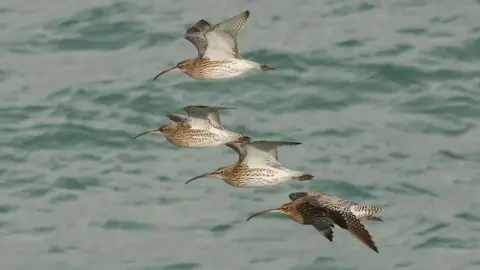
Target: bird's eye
(181,65)
(221,171)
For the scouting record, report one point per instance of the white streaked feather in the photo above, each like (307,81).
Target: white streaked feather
(222,38)
(208,113)
(220,46)
(262,153)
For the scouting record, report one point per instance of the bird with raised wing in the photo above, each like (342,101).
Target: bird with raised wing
(257,166)
(201,127)
(218,53)
(323,211)
(361,211)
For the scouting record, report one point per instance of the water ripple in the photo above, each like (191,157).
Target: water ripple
(468,51)
(102,28)
(180,266)
(468,217)
(410,190)
(115,224)
(446,242)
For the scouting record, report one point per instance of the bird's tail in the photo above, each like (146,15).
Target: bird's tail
(266,67)
(303,177)
(244,139)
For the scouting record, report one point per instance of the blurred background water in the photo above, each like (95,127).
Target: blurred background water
(384,96)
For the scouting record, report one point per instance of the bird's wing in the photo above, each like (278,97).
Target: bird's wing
(177,117)
(239,149)
(191,122)
(222,38)
(263,153)
(344,219)
(210,113)
(325,227)
(196,35)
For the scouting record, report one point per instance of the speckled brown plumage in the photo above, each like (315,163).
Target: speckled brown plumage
(239,175)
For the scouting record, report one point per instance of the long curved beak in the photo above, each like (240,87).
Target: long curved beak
(148,132)
(276,210)
(200,176)
(165,71)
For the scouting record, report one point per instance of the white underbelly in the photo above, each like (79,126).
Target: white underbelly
(264,181)
(231,69)
(216,137)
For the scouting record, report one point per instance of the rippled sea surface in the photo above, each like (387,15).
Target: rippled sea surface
(384,96)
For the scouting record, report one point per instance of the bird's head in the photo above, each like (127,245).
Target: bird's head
(184,66)
(165,130)
(286,209)
(221,173)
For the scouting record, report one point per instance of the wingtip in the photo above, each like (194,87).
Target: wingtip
(175,117)
(247,13)
(291,143)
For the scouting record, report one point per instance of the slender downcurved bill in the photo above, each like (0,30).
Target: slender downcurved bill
(148,132)
(200,176)
(276,210)
(165,71)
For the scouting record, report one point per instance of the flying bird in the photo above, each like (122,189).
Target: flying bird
(218,54)
(323,211)
(201,127)
(257,166)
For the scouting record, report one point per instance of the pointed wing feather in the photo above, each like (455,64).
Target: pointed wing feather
(356,229)
(177,117)
(210,113)
(239,149)
(191,122)
(222,38)
(196,35)
(263,152)
(344,219)
(325,229)
(328,233)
